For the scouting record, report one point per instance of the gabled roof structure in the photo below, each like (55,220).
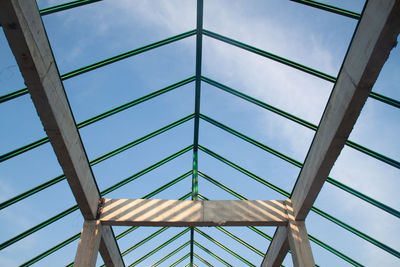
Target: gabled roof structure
(103,206)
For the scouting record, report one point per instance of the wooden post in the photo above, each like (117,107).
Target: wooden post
(88,248)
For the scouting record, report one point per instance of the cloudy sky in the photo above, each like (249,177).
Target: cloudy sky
(309,36)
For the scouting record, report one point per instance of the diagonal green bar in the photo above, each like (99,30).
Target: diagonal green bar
(180,260)
(99,117)
(293,64)
(300,121)
(298,164)
(259,103)
(140,140)
(105,62)
(95,161)
(212,254)
(329,8)
(334,251)
(202,260)
(159,247)
(271,56)
(251,141)
(241,241)
(321,213)
(172,253)
(156,233)
(244,171)
(38,227)
(224,247)
(104,192)
(148,169)
(51,250)
(65,6)
(390,101)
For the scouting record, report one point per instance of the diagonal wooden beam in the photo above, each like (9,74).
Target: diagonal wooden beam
(278,249)
(162,212)
(28,41)
(373,40)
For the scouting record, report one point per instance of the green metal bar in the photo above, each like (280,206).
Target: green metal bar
(52,250)
(38,227)
(32,191)
(104,192)
(224,247)
(199,45)
(321,213)
(140,140)
(271,56)
(95,161)
(156,233)
(202,260)
(105,62)
(357,232)
(390,101)
(191,244)
(199,52)
(298,164)
(212,254)
(99,117)
(241,241)
(169,255)
(251,141)
(329,8)
(259,103)
(334,251)
(180,260)
(136,102)
(244,171)
(373,154)
(65,6)
(23,149)
(159,247)
(300,121)
(148,169)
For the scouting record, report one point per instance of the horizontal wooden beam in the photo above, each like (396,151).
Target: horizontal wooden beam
(161,212)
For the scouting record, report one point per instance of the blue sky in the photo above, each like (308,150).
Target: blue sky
(309,36)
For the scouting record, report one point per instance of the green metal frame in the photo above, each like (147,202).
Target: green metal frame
(195,147)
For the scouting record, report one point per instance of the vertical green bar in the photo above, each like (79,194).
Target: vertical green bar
(199,45)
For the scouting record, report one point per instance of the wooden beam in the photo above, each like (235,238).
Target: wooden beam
(298,240)
(278,249)
(373,40)
(109,250)
(160,212)
(88,247)
(28,41)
